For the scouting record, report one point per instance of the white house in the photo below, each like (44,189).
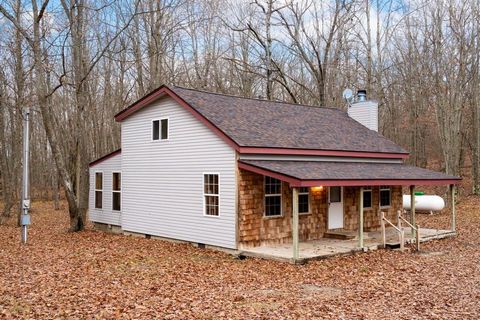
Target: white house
(235,173)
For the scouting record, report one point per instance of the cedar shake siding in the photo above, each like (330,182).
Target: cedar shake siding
(371,215)
(254,229)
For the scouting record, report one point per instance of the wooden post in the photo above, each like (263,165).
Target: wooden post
(402,239)
(360,221)
(295,224)
(412,209)
(384,236)
(399,221)
(418,237)
(452,198)
(401,236)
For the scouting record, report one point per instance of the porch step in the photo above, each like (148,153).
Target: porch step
(340,234)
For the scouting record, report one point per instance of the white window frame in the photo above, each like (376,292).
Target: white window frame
(265,195)
(210,194)
(368,189)
(160,129)
(384,188)
(304,193)
(114,191)
(98,190)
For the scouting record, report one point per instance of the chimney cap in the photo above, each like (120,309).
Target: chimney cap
(362,95)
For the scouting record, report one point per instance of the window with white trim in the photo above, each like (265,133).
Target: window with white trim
(211,194)
(160,129)
(98,190)
(367,197)
(116,191)
(385,196)
(273,197)
(303,200)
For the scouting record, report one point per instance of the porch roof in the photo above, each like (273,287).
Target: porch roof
(323,173)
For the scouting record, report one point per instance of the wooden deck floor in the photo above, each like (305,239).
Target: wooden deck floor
(326,247)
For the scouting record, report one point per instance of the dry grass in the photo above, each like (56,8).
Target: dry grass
(97,275)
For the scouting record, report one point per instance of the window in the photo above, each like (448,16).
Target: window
(273,197)
(160,129)
(98,190)
(303,200)
(116,191)
(211,194)
(385,196)
(367,197)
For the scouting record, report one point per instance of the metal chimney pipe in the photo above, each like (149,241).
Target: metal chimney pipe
(362,95)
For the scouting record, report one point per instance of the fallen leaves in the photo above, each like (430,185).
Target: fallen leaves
(97,275)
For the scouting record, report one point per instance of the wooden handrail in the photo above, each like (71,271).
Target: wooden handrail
(416,228)
(399,229)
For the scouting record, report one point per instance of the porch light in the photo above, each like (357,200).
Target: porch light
(319,188)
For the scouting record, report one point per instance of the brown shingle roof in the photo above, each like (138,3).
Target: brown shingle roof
(269,124)
(259,123)
(341,171)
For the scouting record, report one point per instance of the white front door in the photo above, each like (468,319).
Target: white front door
(335,207)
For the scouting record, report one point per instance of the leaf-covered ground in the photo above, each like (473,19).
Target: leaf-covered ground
(96,275)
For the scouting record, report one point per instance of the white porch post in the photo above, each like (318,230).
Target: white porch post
(412,209)
(452,198)
(295,223)
(360,220)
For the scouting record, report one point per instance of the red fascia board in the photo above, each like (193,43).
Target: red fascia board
(296,182)
(166,91)
(386,182)
(105,157)
(331,153)
(273,174)
(142,102)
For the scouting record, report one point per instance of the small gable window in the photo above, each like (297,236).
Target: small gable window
(385,196)
(160,129)
(367,197)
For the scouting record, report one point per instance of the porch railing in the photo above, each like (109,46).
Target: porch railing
(415,229)
(399,229)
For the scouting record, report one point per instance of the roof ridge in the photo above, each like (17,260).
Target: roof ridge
(257,99)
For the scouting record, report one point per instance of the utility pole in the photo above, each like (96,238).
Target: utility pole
(25,216)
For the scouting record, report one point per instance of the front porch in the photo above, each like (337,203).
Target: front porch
(329,247)
(314,198)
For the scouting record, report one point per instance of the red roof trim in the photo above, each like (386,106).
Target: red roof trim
(105,157)
(295,182)
(265,172)
(400,182)
(312,152)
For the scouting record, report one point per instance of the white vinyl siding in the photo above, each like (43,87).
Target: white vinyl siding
(365,113)
(163,183)
(105,214)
